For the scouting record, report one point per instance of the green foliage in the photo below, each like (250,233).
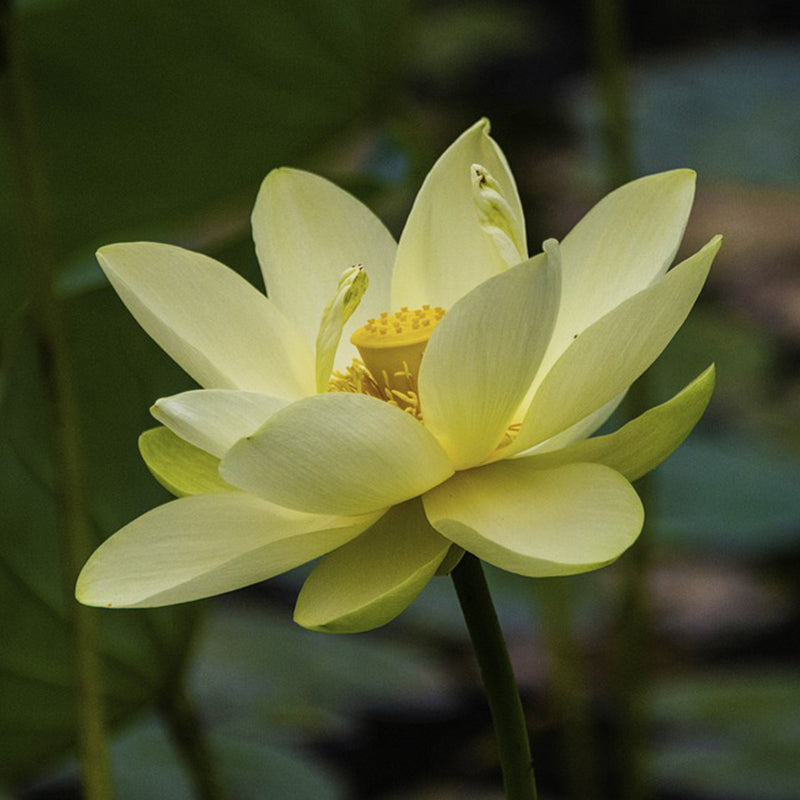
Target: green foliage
(149,114)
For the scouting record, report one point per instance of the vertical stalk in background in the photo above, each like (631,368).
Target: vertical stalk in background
(629,664)
(39,257)
(571,693)
(510,727)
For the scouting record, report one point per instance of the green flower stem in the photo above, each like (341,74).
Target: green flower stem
(502,693)
(69,467)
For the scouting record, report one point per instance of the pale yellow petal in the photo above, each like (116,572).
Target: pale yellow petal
(370,580)
(620,247)
(215,419)
(210,320)
(444,251)
(644,442)
(612,353)
(483,356)
(338,453)
(201,546)
(307,232)
(561,521)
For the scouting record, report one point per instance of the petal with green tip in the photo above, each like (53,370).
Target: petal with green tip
(644,442)
(180,467)
(370,580)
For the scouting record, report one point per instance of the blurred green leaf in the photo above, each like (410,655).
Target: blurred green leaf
(150,112)
(256,672)
(144,653)
(729,494)
(730,735)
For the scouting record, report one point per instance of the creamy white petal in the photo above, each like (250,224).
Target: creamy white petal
(483,356)
(444,252)
(205,545)
(370,580)
(534,522)
(180,467)
(338,453)
(620,247)
(643,443)
(307,232)
(210,320)
(611,354)
(215,419)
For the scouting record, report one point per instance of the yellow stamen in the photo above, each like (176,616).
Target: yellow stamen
(391,347)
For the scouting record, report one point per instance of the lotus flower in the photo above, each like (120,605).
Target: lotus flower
(390,406)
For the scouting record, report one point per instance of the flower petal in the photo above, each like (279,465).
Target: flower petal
(215,419)
(484,354)
(619,248)
(611,354)
(559,521)
(307,232)
(180,467)
(210,320)
(201,546)
(444,252)
(370,580)
(644,442)
(338,453)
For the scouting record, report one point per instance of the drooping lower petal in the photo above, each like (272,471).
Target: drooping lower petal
(201,546)
(643,443)
(211,321)
(370,580)
(180,467)
(215,419)
(307,232)
(484,354)
(444,251)
(338,453)
(561,521)
(606,358)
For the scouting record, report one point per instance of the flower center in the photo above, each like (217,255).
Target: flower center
(391,348)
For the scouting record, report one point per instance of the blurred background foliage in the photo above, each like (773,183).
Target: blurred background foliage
(157,120)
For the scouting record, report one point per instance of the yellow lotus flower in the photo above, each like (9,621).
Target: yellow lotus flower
(461,420)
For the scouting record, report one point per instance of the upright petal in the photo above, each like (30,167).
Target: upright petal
(370,580)
(643,443)
(211,321)
(484,354)
(215,419)
(338,453)
(619,248)
(444,252)
(611,354)
(307,232)
(561,521)
(201,546)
